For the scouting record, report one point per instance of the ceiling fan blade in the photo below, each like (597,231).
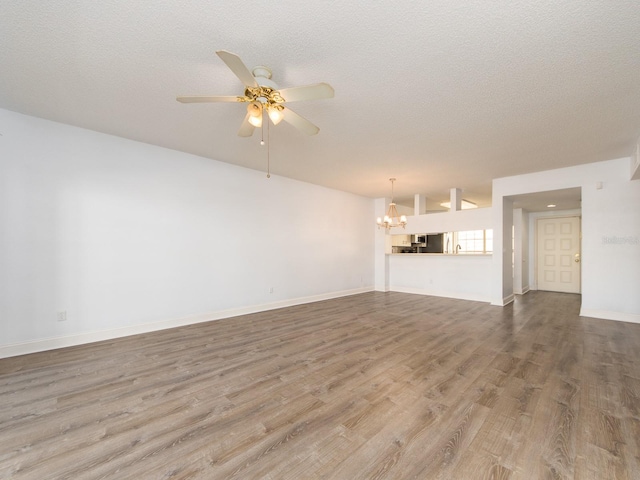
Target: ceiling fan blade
(299,122)
(238,67)
(308,92)
(246,129)
(207,99)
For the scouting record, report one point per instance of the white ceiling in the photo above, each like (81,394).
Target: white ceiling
(439,94)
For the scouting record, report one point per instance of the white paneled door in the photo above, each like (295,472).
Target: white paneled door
(558,247)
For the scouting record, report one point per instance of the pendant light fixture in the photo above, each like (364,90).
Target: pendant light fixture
(392,218)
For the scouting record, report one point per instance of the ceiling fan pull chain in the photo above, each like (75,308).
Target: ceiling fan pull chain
(268,150)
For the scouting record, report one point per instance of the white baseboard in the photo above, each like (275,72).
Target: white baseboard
(608,315)
(522,291)
(505,301)
(456,295)
(508,299)
(45,344)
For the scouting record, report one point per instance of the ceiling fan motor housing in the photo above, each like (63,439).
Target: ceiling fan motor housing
(263,77)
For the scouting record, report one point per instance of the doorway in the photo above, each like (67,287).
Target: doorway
(558,254)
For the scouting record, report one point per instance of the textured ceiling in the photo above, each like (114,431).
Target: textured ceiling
(439,94)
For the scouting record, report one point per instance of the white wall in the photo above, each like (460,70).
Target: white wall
(452,221)
(520,252)
(611,248)
(381,238)
(455,276)
(502,276)
(610,233)
(128,237)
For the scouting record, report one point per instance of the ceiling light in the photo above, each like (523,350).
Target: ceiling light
(551,205)
(466,205)
(275,113)
(254,109)
(255,113)
(392,219)
(255,121)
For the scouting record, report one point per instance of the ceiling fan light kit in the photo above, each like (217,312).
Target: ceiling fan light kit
(254,109)
(275,113)
(392,219)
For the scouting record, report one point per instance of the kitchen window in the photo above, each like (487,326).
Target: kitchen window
(474,242)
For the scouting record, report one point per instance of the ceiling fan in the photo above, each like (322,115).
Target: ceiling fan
(263,95)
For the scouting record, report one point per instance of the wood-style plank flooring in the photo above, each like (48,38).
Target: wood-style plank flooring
(372,386)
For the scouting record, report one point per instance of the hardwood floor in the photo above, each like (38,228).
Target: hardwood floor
(373,386)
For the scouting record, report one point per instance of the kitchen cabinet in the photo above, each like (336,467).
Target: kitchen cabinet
(401,240)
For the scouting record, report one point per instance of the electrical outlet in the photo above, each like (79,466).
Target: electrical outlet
(62,316)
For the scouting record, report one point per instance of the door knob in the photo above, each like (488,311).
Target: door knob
(577,258)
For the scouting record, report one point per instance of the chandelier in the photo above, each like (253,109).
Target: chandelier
(392,219)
